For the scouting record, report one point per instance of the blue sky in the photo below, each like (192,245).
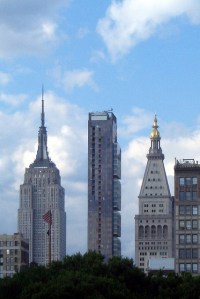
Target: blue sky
(137,57)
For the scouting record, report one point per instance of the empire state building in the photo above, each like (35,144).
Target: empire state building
(41,192)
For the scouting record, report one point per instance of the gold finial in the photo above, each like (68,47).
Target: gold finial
(155,133)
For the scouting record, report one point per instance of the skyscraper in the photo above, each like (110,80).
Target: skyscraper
(42,192)
(104,187)
(187,215)
(154,224)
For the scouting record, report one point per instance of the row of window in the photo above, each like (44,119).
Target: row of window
(188,195)
(186,210)
(188,224)
(153,231)
(188,267)
(188,253)
(187,181)
(188,239)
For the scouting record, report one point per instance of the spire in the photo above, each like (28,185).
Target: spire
(42,156)
(155,150)
(42,114)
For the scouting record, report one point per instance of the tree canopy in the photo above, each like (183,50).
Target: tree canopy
(89,277)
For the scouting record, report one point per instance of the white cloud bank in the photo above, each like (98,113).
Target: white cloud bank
(128,22)
(75,78)
(28,27)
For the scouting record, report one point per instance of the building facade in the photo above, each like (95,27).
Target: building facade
(104,187)
(154,223)
(187,215)
(14,254)
(41,192)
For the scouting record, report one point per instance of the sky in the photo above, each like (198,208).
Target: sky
(137,57)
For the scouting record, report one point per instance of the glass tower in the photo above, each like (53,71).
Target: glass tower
(104,187)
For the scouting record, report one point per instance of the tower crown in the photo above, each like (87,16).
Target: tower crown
(155,150)
(155,133)
(42,156)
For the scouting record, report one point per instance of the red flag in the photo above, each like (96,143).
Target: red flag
(48,217)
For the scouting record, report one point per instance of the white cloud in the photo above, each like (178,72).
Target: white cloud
(28,27)
(13,100)
(128,22)
(72,79)
(136,121)
(5,78)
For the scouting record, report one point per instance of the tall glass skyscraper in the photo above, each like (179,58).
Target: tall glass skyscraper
(42,192)
(104,187)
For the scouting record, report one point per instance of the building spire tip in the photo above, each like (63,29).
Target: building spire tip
(42,114)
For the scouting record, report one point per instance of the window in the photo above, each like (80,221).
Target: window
(188,224)
(181,239)
(188,210)
(188,267)
(181,253)
(181,181)
(188,239)
(195,253)
(194,210)
(194,268)
(188,195)
(188,253)
(194,195)
(181,210)
(194,239)
(187,181)
(181,195)
(194,224)
(181,224)
(194,181)
(181,267)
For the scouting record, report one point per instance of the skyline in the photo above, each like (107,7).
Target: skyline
(122,55)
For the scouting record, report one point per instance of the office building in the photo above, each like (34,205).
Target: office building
(41,192)
(187,216)
(14,254)
(104,187)
(154,223)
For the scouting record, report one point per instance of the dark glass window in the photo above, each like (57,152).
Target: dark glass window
(194,195)
(181,253)
(194,210)
(181,210)
(188,239)
(194,224)
(188,195)
(181,181)
(188,181)
(181,239)
(188,224)
(195,253)
(194,239)
(181,224)
(188,210)
(188,267)
(194,181)
(188,253)
(194,268)
(181,267)
(181,195)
